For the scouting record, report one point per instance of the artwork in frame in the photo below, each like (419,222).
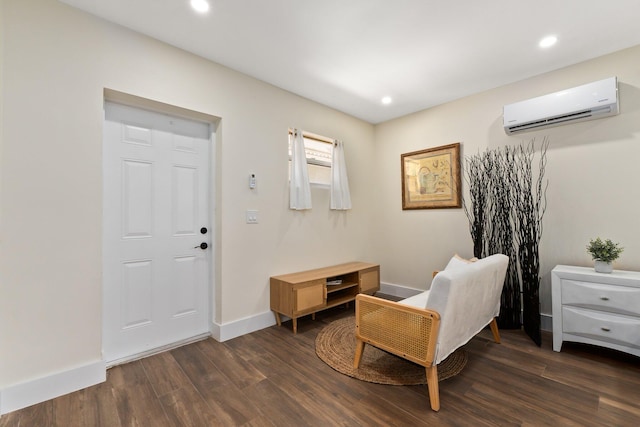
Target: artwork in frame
(431,178)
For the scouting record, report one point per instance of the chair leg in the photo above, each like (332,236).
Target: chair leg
(359,350)
(432,383)
(494,330)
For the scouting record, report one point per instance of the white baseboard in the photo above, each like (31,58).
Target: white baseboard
(51,386)
(45,388)
(236,328)
(546,320)
(157,350)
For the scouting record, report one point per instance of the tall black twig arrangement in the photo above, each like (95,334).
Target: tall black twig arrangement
(531,205)
(477,181)
(505,216)
(502,195)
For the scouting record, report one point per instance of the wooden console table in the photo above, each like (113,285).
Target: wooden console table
(307,292)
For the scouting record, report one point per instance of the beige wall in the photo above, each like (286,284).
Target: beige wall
(57,62)
(592,171)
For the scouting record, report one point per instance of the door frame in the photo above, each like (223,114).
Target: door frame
(114,96)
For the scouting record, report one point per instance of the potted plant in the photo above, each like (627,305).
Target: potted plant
(604,253)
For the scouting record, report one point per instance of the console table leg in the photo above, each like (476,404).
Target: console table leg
(295,325)
(278,320)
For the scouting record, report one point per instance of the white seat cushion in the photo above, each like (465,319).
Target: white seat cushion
(419,300)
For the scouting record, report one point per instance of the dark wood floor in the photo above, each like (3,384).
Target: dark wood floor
(274,378)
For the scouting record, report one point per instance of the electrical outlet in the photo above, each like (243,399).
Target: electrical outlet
(252,217)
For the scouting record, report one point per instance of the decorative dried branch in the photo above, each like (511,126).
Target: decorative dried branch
(505,216)
(476,183)
(531,205)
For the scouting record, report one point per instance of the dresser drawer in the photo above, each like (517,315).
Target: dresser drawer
(615,329)
(597,296)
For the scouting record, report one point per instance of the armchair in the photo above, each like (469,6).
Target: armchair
(428,327)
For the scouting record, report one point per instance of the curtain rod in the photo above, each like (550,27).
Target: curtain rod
(314,136)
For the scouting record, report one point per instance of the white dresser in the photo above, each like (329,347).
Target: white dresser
(596,308)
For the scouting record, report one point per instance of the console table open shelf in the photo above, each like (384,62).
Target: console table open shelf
(307,292)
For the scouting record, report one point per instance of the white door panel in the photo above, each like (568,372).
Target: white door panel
(156,199)
(137,293)
(185,203)
(137,207)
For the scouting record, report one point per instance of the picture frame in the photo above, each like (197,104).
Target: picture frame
(431,178)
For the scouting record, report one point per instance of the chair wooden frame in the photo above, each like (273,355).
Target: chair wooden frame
(408,332)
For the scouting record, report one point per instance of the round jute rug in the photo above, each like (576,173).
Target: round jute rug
(336,344)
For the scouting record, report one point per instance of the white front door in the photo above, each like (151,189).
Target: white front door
(156,203)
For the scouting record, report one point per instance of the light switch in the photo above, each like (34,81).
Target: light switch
(252,217)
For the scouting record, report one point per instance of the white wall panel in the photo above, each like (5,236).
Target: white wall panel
(183,143)
(184,200)
(137,290)
(184,289)
(137,198)
(136,135)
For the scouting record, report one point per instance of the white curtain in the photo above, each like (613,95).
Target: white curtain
(340,195)
(299,189)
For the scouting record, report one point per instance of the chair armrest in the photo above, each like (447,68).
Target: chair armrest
(403,330)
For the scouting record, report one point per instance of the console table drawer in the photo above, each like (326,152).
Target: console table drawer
(620,330)
(308,296)
(598,296)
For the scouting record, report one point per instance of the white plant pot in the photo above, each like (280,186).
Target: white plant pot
(603,267)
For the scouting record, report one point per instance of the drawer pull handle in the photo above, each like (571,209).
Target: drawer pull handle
(605,329)
(604,298)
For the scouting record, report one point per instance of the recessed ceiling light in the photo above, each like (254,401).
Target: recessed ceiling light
(201,6)
(386,100)
(548,41)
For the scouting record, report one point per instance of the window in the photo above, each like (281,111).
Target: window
(319,153)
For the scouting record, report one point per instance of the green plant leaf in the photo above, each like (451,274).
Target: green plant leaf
(606,250)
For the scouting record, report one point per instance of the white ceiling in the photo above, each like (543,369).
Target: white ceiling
(348,54)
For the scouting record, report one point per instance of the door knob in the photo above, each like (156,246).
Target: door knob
(202,245)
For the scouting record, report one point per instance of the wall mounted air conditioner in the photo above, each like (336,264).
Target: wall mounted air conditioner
(587,102)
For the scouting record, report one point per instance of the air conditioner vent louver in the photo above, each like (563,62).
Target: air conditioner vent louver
(588,102)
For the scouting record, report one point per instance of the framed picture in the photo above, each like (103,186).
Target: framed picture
(431,178)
